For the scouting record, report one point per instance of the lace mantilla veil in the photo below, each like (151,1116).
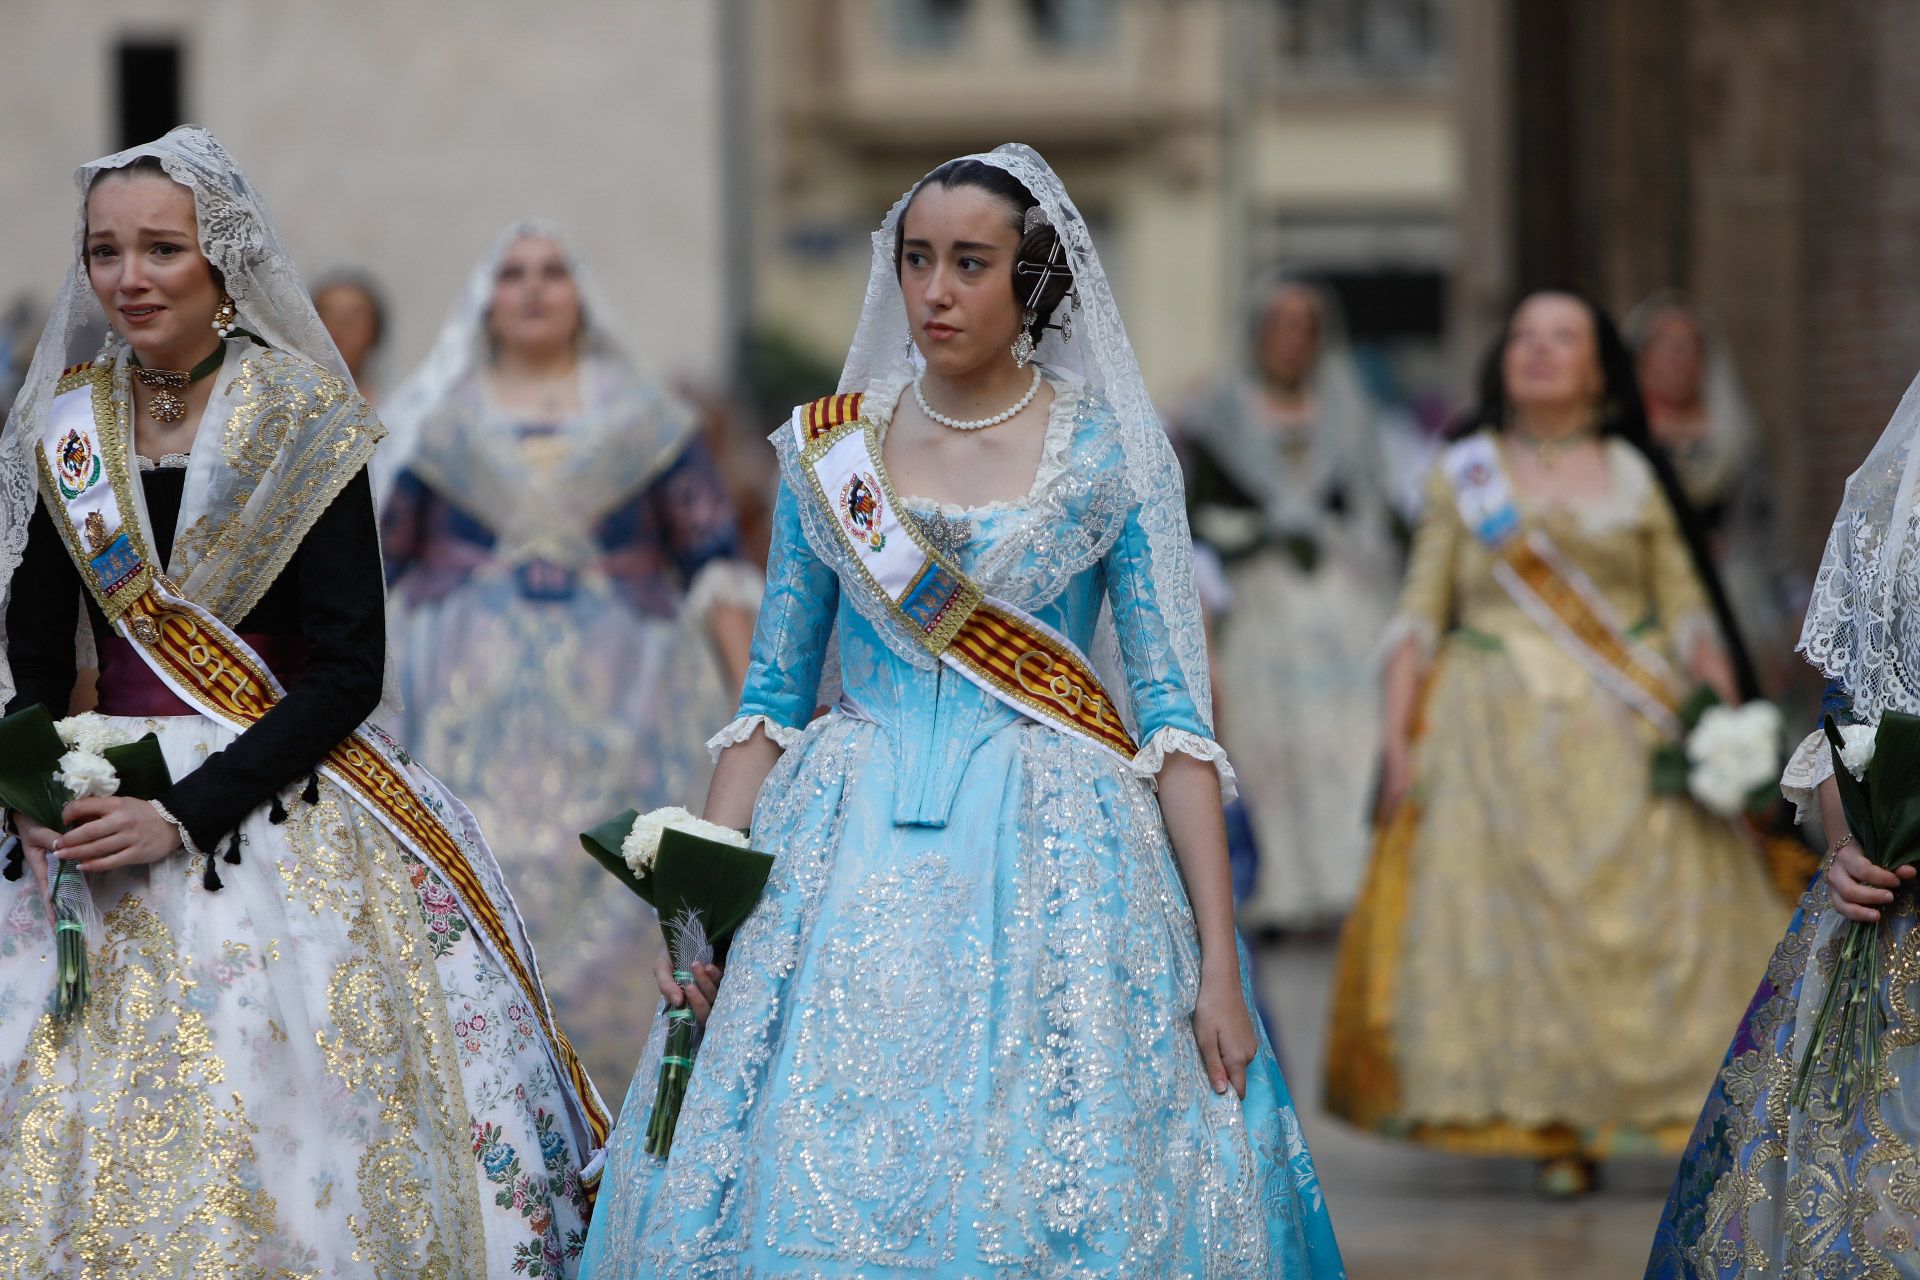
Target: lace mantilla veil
(1863,624)
(461,348)
(1101,359)
(237,237)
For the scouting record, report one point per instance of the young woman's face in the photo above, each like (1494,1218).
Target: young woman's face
(536,306)
(1672,362)
(1552,356)
(146,268)
(1290,334)
(352,320)
(956,275)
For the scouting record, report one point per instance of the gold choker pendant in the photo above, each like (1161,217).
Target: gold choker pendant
(167,404)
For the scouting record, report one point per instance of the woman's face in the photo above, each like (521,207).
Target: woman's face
(146,268)
(536,306)
(1552,356)
(956,276)
(353,322)
(1672,362)
(1290,335)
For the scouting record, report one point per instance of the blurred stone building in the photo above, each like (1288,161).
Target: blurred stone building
(400,138)
(1204,139)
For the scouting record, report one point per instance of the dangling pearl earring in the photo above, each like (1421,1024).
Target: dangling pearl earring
(106,353)
(911,349)
(1023,345)
(224,316)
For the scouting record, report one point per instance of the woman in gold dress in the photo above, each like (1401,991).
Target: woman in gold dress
(1546,955)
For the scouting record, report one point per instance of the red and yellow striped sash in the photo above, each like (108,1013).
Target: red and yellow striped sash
(1034,669)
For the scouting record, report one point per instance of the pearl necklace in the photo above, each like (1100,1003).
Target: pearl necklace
(920,398)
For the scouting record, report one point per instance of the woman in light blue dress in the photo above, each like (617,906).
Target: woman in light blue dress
(990,1018)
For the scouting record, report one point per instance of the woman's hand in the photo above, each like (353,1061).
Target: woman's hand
(1224,1030)
(701,995)
(1857,887)
(105,833)
(1396,778)
(35,840)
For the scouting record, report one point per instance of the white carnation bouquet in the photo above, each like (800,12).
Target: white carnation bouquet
(704,880)
(1729,759)
(44,767)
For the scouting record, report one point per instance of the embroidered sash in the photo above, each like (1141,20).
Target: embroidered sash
(85,475)
(1553,592)
(1007,652)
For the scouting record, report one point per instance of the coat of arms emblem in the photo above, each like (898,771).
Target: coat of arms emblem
(77,464)
(861,509)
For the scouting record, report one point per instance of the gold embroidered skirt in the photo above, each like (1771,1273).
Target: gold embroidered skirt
(1545,959)
(314,1072)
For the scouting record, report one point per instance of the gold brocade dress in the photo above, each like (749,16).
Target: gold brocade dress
(1546,957)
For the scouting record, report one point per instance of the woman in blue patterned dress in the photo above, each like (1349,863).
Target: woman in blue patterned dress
(990,1017)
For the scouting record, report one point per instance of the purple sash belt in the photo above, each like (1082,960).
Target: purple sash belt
(128,686)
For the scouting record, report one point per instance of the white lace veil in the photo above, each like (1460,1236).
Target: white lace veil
(1101,358)
(1863,624)
(237,237)
(462,347)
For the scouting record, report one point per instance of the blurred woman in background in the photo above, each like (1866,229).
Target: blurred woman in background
(1283,483)
(356,318)
(1546,954)
(571,612)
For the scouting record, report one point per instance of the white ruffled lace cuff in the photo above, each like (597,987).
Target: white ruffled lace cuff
(1403,627)
(1810,765)
(1689,630)
(1153,757)
(723,582)
(740,730)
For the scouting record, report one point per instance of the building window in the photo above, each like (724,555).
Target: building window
(929,26)
(1367,39)
(147,97)
(1071,24)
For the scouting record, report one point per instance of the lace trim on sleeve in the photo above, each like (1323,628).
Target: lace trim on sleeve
(1153,757)
(1402,628)
(740,730)
(1810,765)
(1689,630)
(723,582)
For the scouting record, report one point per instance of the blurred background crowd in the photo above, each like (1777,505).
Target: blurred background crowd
(1319,213)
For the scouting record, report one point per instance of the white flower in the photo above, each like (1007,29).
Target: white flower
(642,844)
(1734,752)
(1857,742)
(85,774)
(89,733)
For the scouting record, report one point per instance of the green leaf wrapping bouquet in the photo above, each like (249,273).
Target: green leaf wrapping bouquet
(1877,771)
(43,767)
(704,881)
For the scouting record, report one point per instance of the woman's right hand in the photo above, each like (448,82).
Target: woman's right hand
(1396,778)
(701,995)
(1857,887)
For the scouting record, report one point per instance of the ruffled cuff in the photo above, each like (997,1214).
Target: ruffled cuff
(1403,627)
(1810,765)
(723,582)
(740,730)
(1151,758)
(1689,630)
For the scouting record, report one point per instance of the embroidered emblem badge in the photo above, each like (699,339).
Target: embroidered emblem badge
(113,558)
(79,465)
(861,509)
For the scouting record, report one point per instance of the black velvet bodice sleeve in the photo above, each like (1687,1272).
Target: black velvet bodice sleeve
(330,594)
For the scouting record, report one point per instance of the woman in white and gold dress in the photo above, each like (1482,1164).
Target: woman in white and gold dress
(1546,953)
(571,611)
(316,1045)
(1284,483)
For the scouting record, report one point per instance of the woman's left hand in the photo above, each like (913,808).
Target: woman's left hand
(105,833)
(1224,1030)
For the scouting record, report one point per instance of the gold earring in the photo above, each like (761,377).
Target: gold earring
(224,316)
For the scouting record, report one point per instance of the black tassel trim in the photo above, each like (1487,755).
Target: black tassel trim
(312,794)
(16,859)
(211,880)
(277,814)
(233,850)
